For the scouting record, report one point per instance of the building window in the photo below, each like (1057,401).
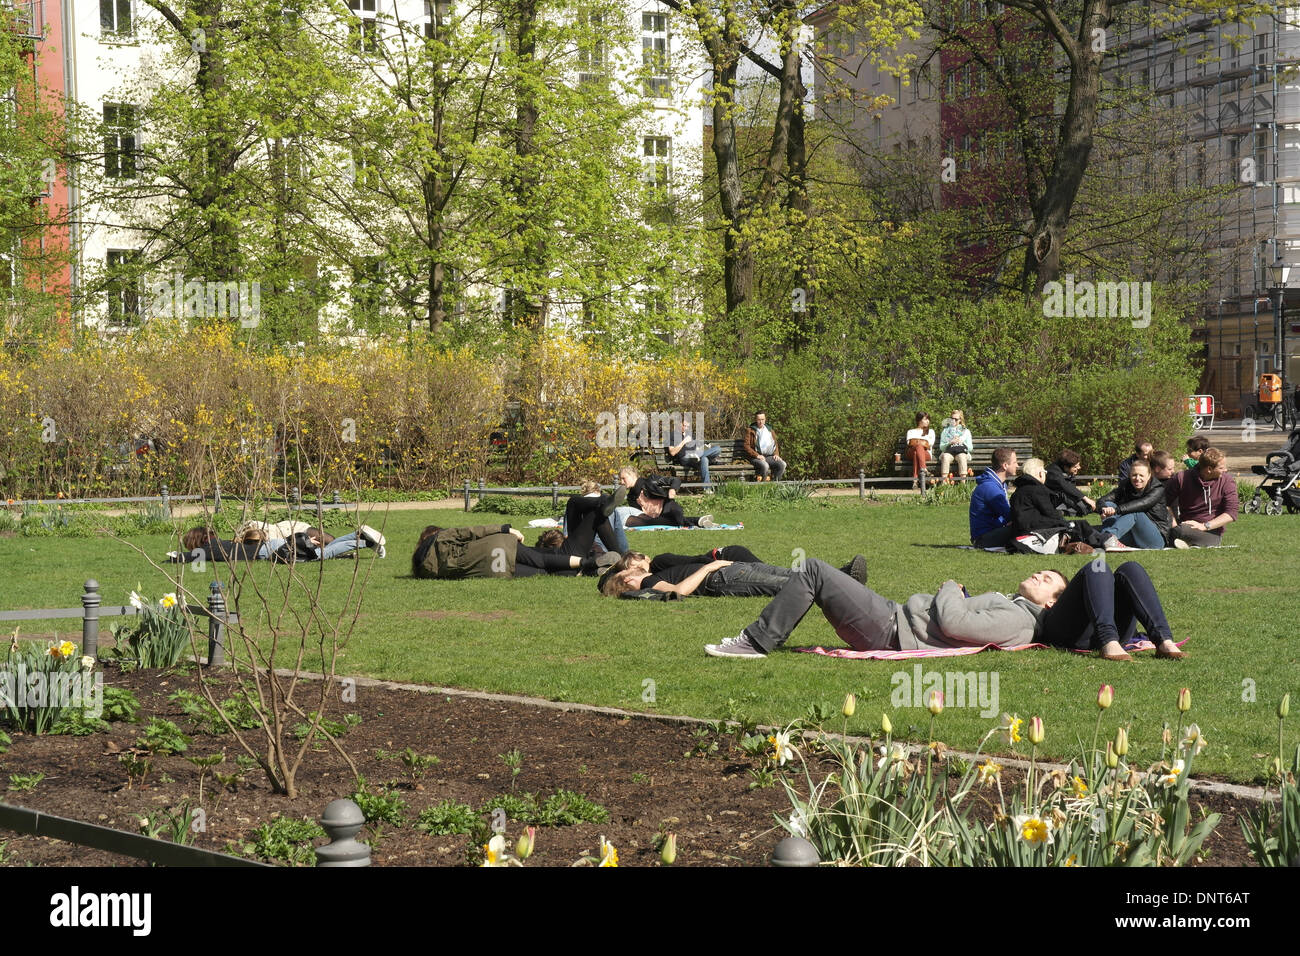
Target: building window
(115,18)
(367,291)
(654,53)
(437,14)
(122,286)
(364,27)
(656,163)
(591,50)
(119,141)
(365,168)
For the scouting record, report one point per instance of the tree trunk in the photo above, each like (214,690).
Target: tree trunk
(521,304)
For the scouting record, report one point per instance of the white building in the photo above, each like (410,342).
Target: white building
(108,58)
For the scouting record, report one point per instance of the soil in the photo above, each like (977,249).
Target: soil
(649,774)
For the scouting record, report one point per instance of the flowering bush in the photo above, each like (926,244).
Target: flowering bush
(40,682)
(159,636)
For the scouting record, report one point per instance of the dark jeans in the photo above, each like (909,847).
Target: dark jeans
(530,561)
(997,538)
(862,618)
(747,580)
(1198,539)
(1101,605)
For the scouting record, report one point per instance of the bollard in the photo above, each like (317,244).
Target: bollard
(342,821)
(862,483)
(482,486)
(166,500)
(337,499)
(216,624)
(795,851)
(555,495)
(216,499)
(467,494)
(90,619)
(296,495)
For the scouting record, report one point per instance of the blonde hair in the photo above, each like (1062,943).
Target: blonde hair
(1035,468)
(590,486)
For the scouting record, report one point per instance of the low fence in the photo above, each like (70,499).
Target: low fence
(91,611)
(294,500)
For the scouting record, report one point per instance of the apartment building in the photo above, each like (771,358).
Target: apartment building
(102,53)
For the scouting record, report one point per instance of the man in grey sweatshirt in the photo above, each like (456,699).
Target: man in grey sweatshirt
(868,622)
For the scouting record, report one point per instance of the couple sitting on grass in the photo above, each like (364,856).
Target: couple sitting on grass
(1097,610)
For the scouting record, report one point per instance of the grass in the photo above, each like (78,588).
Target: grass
(556,638)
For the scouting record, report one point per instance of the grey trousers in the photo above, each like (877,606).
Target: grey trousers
(744,579)
(862,618)
(1198,539)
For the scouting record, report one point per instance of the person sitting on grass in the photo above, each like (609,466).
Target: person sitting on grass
(1098,609)
(1141,452)
(1135,512)
(1066,496)
(990,511)
(652,500)
(1032,511)
(1196,446)
(1203,500)
(733,571)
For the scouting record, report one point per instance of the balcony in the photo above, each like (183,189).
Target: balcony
(27,17)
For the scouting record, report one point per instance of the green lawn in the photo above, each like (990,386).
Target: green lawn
(556,638)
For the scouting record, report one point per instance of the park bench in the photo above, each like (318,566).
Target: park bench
(730,465)
(981,456)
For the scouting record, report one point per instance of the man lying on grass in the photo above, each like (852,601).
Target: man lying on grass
(1098,610)
(733,571)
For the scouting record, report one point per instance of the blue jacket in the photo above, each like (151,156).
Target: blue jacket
(989,507)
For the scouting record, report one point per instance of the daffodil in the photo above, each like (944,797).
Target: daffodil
(782,749)
(64,649)
(1080,788)
(137,602)
(87,663)
(608,853)
(1011,728)
(1171,778)
(896,753)
(1192,739)
(989,771)
(167,602)
(1073,860)
(1032,828)
(494,851)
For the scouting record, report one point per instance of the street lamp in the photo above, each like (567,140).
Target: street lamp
(1278,273)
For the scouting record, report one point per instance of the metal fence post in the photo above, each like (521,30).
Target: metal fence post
(216,624)
(337,499)
(862,483)
(342,821)
(166,500)
(216,499)
(90,619)
(482,486)
(296,496)
(467,494)
(555,494)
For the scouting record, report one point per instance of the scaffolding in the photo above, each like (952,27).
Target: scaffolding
(28,17)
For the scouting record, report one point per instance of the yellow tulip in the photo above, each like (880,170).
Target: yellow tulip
(1121,741)
(1105,696)
(935,702)
(1184,700)
(886,726)
(1035,730)
(850,705)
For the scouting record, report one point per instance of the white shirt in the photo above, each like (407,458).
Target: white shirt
(766,443)
(917,433)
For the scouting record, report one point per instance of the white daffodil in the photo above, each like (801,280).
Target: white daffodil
(896,753)
(989,771)
(782,750)
(1192,739)
(608,853)
(1171,778)
(137,602)
(494,851)
(167,601)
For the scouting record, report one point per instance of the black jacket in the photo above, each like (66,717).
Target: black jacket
(1032,508)
(1064,491)
(1149,501)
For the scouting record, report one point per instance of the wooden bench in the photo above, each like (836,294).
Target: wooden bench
(730,465)
(981,456)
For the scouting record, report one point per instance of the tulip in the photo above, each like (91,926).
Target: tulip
(1284,707)
(1121,742)
(1035,730)
(1184,700)
(850,705)
(886,726)
(524,848)
(1105,696)
(1112,758)
(668,852)
(935,702)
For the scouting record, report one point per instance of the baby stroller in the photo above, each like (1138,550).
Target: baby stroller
(1281,471)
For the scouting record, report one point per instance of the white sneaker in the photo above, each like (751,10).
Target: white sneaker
(738,646)
(1180,544)
(706,521)
(1113,544)
(373,539)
